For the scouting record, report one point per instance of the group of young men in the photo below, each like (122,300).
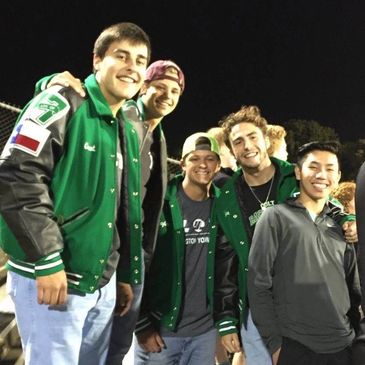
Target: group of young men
(100,244)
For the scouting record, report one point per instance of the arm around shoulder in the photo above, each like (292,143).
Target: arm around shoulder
(65,79)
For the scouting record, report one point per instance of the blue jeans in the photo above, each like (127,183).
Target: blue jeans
(76,333)
(255,350)
(122,331)
(198,350)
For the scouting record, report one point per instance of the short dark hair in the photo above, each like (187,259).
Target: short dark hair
(121,31)
(305,149)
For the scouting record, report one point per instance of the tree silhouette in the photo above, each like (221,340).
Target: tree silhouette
(301,131)
(352,156)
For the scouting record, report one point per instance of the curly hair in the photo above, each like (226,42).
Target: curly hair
(247,114)
(344,193)
(275,133)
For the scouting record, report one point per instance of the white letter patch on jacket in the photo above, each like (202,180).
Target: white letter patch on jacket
(47,107)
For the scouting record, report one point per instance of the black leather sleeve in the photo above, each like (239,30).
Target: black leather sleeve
(225,280)
(25,198)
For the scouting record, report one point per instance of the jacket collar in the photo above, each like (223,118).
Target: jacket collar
(285,168)
(141,108)
(142,113)
(175,182)
(97,98)
(292,201)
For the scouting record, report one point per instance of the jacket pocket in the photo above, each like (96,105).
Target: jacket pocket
(64,221)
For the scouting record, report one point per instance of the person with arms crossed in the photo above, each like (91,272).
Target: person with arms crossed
(70,205)
(303,284)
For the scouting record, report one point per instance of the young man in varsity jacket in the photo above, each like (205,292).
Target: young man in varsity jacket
(260,182)
(176,323)
(70,201)
(159,96)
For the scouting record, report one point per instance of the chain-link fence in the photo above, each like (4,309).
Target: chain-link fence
(10,348)
(8,115)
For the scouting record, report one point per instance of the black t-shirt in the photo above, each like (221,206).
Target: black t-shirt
(254,199)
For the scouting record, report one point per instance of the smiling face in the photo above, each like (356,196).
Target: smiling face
(160,97)
(121,71)
(318,175)
(200,167)
(249,146)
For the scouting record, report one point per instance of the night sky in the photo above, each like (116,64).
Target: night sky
(294,59)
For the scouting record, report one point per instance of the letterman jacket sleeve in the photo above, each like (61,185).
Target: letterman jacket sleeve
(144,321)
(226,316)
(337,213)
(41,84)
(26,169)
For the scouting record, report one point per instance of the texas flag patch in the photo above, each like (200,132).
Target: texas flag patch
(29,137)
